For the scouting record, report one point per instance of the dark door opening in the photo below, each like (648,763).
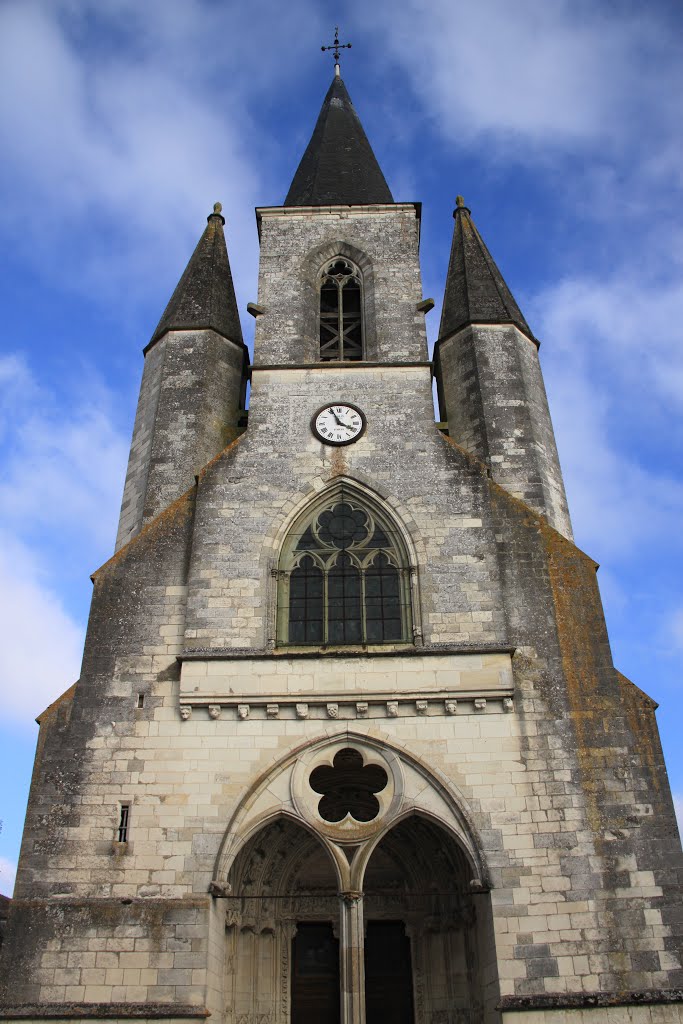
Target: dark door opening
(315,975)
(388,974)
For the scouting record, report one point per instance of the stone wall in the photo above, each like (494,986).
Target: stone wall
(189,408)
(491,392)
(295,244)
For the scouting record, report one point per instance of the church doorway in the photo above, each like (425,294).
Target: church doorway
(358,931)
(388,974)
(315,974)
(429,938)
(282,935)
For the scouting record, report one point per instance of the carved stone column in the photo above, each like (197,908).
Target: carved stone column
(286,934)
(352,958)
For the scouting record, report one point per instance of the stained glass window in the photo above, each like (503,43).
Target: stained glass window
(344,577)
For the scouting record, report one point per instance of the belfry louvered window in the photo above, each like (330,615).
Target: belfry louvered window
(341,312)
(344,577)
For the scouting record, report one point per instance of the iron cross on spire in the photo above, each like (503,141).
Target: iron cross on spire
(336,46)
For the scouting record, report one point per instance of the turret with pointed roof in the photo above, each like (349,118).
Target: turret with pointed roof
(193,383)
(204,298)
(489,380)
(475,290)
(339,167)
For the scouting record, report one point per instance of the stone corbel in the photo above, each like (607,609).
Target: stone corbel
(220,890)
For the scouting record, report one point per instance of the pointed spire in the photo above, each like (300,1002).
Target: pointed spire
(338,167)
(205,295)
(475,289)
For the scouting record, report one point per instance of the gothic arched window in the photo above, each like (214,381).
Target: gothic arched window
(344,577)
(341,312)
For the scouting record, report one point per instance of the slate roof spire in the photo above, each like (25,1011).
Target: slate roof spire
(338,167)
(204,297)
(475,289)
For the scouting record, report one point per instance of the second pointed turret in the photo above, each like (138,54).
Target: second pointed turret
(489,379)
(204,297)
(475,289)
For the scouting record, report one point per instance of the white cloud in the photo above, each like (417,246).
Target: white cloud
(8,871)
(62,471)
(618,505)
(121,141)
(629,319)
(676,631)
(614,360)
(536,74)
(61,476)
(33,673)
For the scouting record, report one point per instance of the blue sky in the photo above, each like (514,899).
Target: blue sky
(121,123)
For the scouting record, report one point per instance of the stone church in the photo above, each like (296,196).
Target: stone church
(348,744)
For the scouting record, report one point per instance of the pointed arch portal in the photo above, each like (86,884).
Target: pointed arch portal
(370,916)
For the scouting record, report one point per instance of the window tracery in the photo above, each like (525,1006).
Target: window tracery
(344,578)
(341,312)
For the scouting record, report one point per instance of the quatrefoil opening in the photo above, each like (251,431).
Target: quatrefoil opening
(348,787)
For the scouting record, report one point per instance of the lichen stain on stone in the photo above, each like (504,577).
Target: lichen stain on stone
(578,614)
(228,450)
(471,459)
(338,463)
(175,515)
(639,710)
(55,705)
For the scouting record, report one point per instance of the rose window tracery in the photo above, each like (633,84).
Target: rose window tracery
(348,787)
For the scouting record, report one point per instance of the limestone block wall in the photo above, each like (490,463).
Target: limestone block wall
(493,396)
(188,410)
(610,1013)
(138,460)
(557,767)
(114,952)
(184,779)
(279,465)
(296,242)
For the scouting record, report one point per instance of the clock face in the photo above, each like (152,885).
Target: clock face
(340,423)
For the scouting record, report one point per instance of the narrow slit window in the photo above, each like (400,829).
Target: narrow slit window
(341,313)
(141,700)
(124,824)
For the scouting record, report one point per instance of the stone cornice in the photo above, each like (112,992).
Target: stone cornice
(588,1000)
(102,1011)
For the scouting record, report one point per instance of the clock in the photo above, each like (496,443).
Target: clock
(338,424)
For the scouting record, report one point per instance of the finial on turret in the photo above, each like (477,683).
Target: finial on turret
(336,46)
(217,207)
(460,205)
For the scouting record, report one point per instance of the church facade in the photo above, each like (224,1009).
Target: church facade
(348,743)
